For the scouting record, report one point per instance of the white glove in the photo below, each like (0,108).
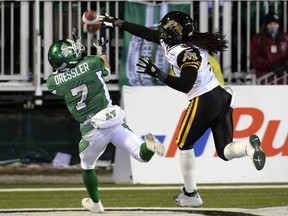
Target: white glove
(101,46)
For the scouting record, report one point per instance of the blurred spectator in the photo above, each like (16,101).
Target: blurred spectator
(269,48)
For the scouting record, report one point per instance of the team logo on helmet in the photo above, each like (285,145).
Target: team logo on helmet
(64,50)
(174,26)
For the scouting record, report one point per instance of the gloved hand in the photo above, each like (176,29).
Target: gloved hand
(101,46)
(148,66)
(110,21)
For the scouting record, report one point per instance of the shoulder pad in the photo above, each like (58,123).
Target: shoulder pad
(189,57)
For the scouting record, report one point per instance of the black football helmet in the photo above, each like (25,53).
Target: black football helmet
(175,27)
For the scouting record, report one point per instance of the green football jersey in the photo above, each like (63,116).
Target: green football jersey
(82,87)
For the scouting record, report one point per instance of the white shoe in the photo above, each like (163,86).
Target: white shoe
(87,203)
(153,144)
(188,199)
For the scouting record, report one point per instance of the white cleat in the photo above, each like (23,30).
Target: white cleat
(87,203)
(188,199)
(153,144)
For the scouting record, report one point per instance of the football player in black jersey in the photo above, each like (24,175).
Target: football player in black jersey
(187,52)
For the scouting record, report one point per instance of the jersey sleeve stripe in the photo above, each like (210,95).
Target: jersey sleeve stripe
(191,64)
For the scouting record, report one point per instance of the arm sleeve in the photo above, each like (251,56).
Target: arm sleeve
(189,61)
(141,31)
(185,82)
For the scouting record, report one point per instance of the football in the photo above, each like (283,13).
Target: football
(89,21)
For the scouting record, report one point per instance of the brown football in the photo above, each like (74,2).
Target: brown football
(89,21)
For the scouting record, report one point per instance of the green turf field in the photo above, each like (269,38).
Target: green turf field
(213,198)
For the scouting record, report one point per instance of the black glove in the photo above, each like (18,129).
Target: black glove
(101,46)
(110,21)
(148,66)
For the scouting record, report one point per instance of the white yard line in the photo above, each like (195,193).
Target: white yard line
(143,188)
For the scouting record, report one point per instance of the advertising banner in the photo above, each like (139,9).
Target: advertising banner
(159,110)
(149,15)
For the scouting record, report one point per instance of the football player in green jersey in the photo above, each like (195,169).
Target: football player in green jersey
(81,82)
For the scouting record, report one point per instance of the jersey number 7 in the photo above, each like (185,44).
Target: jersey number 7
(84,92)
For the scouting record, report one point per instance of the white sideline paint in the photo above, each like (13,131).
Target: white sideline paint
(144,188)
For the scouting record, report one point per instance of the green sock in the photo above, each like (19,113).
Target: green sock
(145,153)
(91,183)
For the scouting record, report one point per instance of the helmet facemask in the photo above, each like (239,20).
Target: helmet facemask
(77,48)
(171,32)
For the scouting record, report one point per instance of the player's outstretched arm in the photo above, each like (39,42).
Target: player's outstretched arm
(135,29)
(184,83)
(101,52)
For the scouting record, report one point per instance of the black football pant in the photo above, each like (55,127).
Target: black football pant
(210,110)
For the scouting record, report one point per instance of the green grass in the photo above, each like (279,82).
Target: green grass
(216,198)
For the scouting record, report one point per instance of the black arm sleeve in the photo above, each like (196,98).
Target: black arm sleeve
(141,31)
(185,82)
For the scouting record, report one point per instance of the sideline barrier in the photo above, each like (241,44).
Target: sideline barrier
(260,110)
